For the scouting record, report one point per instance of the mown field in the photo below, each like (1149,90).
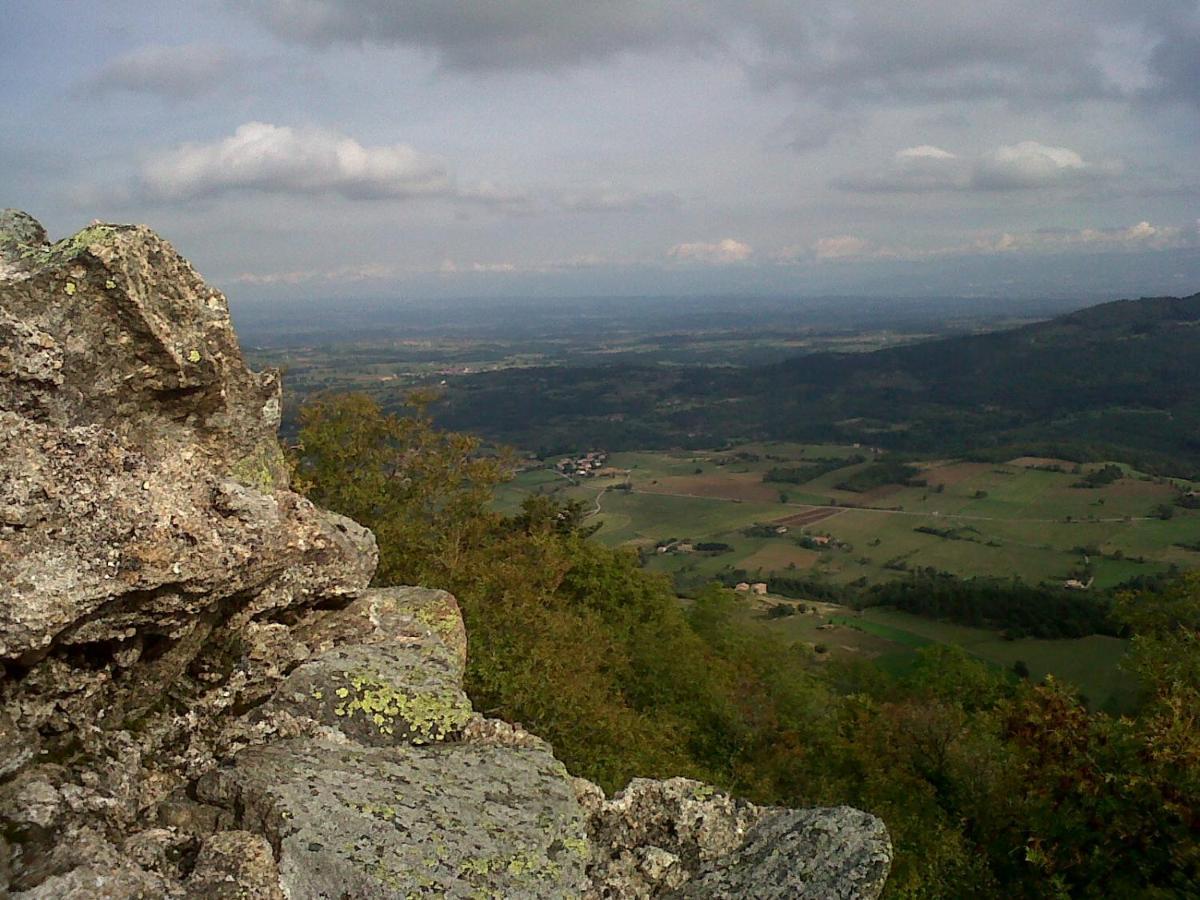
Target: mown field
(891,638)
(1026,518)
(990,519)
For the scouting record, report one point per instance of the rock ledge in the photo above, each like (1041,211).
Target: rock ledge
(200,697)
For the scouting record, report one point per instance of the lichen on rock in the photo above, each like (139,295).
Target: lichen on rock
(200,697)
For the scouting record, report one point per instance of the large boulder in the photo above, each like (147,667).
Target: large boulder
(681,838)
(152,557)
(201,698)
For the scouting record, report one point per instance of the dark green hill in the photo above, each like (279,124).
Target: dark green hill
(1116,380)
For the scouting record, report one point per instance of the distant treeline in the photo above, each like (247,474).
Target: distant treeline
(806,473)
(1012,606)
(887,471)
(1100,477)
(795,586)
(1016,608)
(1096,386)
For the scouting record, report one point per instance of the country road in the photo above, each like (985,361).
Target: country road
(902,512)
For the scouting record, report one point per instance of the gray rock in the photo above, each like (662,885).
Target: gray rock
(453,820)
(235,865)
(379,695)
(681,838)
(807,854)
(192,666)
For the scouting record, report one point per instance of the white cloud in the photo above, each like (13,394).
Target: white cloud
(845,246)
(917,169)
(367,272)
(717,253)
(1027,165)
(283,160)
(1139,236)
(179,72)
(924,151)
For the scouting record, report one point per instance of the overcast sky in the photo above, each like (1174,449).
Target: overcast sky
(366,148)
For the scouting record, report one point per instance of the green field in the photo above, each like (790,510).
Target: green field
(891,638)
(1018,518)
(996,519)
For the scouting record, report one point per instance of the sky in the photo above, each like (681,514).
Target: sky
(337,149)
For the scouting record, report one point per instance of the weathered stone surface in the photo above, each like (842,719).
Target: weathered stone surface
(402,615)
(149,547)
(681,838)
(83,865)
(807,854)
(379,695)
(235,865)
(454,820)
(140,478)
(199,697)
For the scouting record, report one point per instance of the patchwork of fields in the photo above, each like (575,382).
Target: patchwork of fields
(1026,517)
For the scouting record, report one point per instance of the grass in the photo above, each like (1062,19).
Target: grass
(1011,520)
(1017,520)
(1090,663)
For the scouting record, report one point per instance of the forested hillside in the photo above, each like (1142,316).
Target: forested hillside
(990,785)
(1106,382)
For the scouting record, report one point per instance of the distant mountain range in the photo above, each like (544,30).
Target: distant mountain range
(1117,380)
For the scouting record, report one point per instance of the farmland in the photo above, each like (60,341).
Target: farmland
(891,639)
(1024,518)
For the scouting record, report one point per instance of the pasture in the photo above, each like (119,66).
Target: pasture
(1019,518)
(1026,518)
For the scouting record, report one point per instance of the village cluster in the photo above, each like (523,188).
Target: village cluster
(590,465)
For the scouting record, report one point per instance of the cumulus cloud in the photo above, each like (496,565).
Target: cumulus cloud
(1025,165)
(924,151)
(1029,165)
(278,159)
(1141,236)
(721,252)
(912,170)
(447,267)
(179,72)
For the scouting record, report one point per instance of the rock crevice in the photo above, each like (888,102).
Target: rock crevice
(201,697)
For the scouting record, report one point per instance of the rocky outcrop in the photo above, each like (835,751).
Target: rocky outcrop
(681,838)
(200,696)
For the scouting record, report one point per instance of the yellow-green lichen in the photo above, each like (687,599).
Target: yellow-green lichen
(70,247)
(260,468)
(440,620)
(386,813)
(81,240)
(109,283)
(194,356)
(70,288)
(425,717)
(577,845)
(523,866)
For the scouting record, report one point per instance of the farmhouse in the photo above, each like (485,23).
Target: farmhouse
(1074,584)
(759,588)
(742,586)
(585,466)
